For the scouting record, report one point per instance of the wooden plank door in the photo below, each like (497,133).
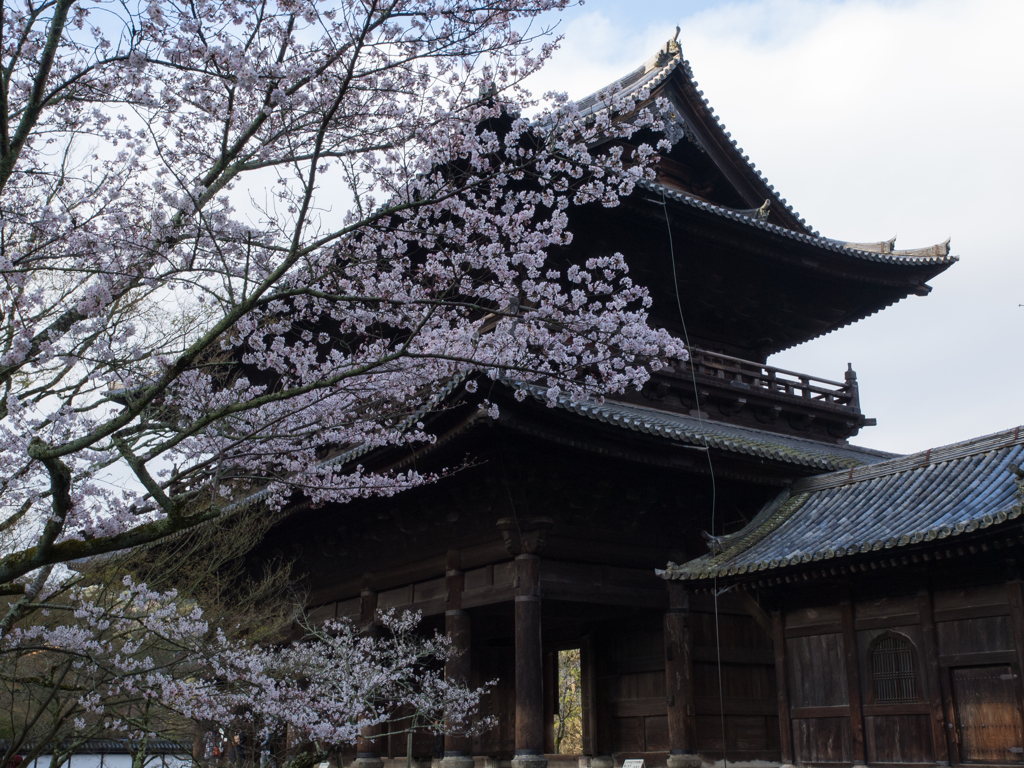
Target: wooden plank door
(988,714)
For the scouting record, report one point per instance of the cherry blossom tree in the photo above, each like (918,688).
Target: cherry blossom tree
(241,237)
(213,648)
(236,235)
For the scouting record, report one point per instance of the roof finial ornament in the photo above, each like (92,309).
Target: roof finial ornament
(763,211)
(671,49)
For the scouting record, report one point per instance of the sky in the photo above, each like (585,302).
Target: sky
(872,119)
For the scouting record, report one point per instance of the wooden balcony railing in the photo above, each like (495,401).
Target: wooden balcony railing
(744,374)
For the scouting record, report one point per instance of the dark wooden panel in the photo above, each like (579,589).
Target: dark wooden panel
(804,617)
(638,707)
(988,714)
(429,590)
(734,631)
(348,607)
(884,608)
(764,656)
(774,733)
(707,705)
(993,633)
(814,629)
(473,598)
(478,578)
(605,594)
(747,733)
(823,740)
(921,708)
(741,681)
(899,738)
(627,733)
(972,612)
(642,685)
(709,733)
(817,671)
(840,710)
(887,622)
(504,573)
(993,594)
(984,657)
(641,664)
(499,702)
(656,731)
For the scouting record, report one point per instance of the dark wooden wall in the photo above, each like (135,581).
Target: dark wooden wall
(631,696)
(968,702)
(748,693)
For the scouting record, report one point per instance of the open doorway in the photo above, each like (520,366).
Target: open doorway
(568,726)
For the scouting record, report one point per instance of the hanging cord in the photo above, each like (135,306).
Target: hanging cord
(711,469)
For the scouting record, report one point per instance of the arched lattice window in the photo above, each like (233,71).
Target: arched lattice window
(893,670)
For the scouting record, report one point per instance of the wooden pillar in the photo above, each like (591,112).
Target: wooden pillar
(933,673)
(525,540)
(458,747)
(369,741)
(853,681)
(529,662)
(782,687)
(550,699)
(682,721)
(588,683)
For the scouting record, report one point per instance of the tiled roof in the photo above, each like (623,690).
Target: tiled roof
(936,255)
(655,71)
(690,430)
(926,496)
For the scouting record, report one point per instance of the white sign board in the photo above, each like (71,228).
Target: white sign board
(632,764)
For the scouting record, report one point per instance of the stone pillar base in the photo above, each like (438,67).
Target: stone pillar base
(602,761)
(529,761)
(373,761)
(684,761)
(457,761)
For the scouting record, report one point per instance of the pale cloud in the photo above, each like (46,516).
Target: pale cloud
(873,120)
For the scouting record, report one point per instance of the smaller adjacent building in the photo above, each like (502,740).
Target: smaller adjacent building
(892,592)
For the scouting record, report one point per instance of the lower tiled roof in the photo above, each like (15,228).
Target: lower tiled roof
(926,496)
(715,434)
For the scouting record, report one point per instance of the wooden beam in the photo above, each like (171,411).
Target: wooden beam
(755,610)
(853,681)
(933,673)
(782,686)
